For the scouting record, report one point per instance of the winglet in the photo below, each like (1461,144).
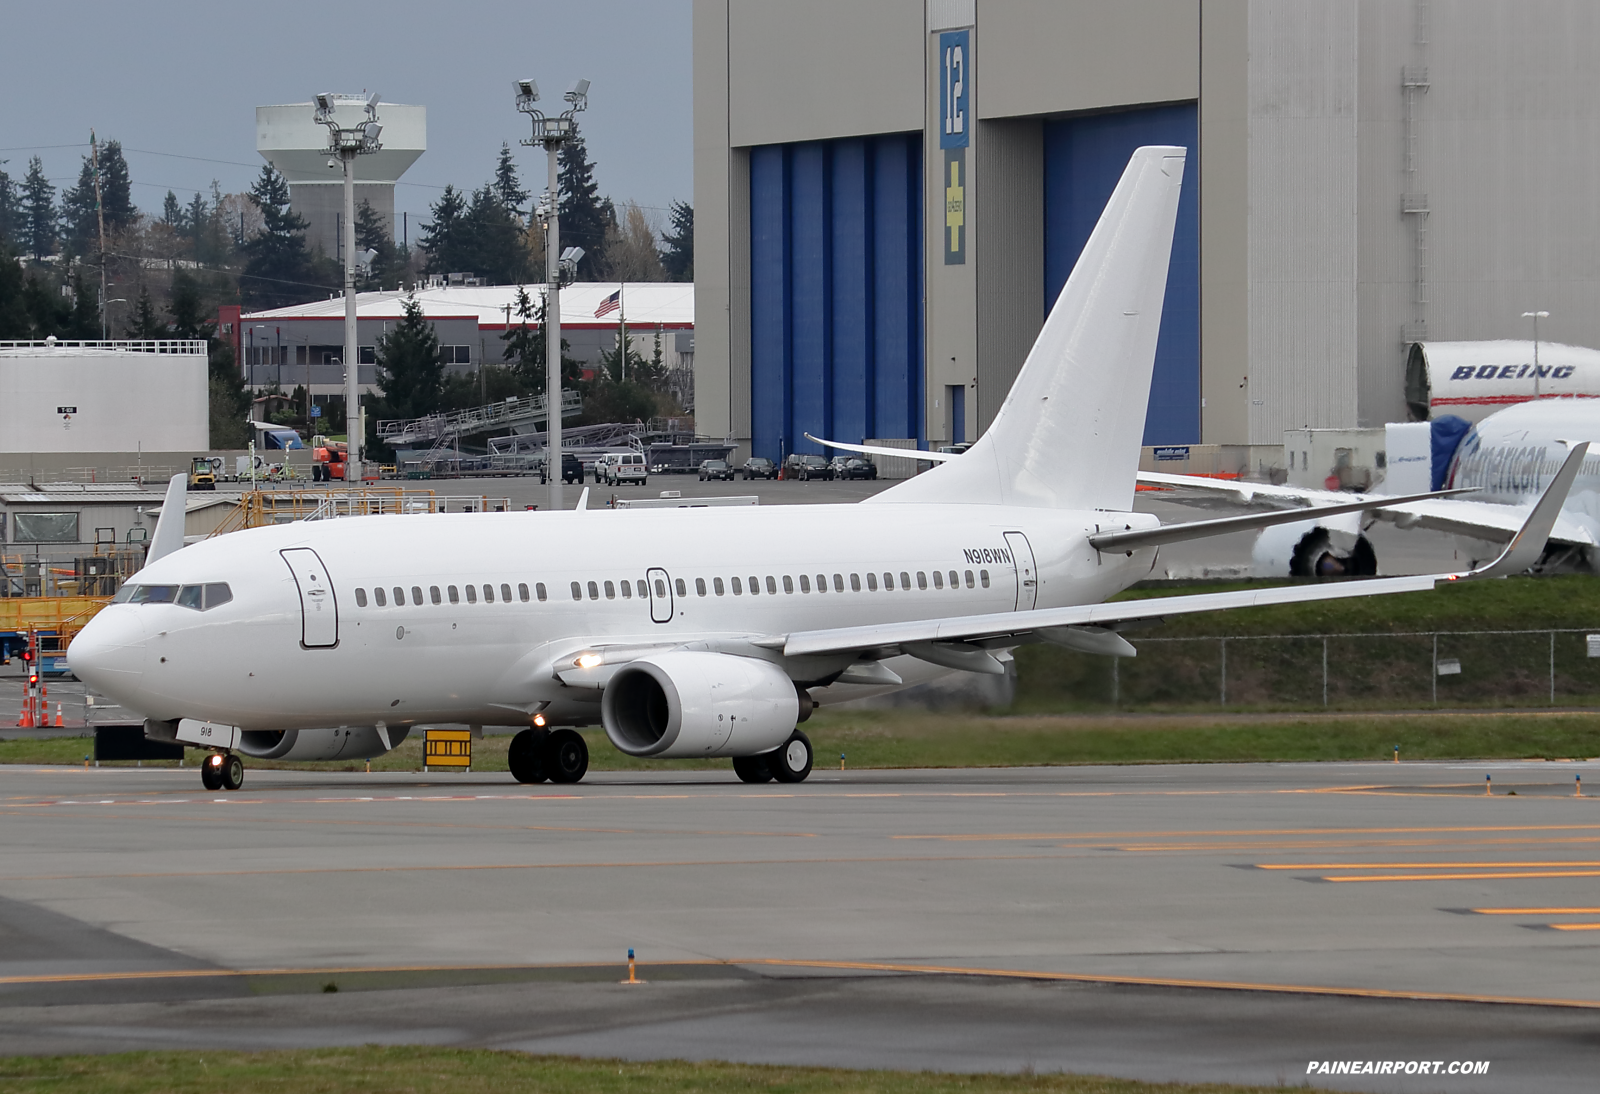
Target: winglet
(583,500)
(169,526)
(1528,544)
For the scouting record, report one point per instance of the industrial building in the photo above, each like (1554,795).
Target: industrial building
(304,343)
(884,216)
(297,148)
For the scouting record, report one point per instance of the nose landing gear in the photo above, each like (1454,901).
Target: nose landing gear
(222,771)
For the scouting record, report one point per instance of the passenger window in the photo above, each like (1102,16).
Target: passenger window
(755,586)
(472,594)
(938,580)
(922,580)
(772,586)
(888,582)
(399,597)
(955,580)
(217,595)
(191,596)
(872,583)
(855,583)
(838,583)
(805,584)
(361,598)
(788,583)
(644,590)
(627,590)
(488,594)
(661,588)
(377,594)
(611,590)
(416,594)
(682,589)
(594,591)
(983,576)
(700,586)
(905,581)
(505,593)
(822,583)
(738,587)
(433,594)
(455,594)
(522,592)
(577,591)
(539,591)
(969,579)
(716,585)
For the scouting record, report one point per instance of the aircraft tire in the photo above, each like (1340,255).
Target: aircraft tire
(231,774)
(527,756)
(566,756)
(752,769)
(210,775)
(792,762)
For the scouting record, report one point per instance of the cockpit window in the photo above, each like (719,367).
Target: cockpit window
(200,598)
(217,594)
(155,594)
(124,594)
(192,596)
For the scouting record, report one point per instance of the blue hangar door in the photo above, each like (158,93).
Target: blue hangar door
(1083,159)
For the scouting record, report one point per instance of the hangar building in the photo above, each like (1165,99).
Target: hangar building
(890,195)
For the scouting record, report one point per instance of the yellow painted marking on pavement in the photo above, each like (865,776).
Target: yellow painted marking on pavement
(1191,833)
(1415,865)
(1535,911)
(1574,926)
(1467,877)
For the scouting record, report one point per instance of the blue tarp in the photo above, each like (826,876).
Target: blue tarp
(1447,434)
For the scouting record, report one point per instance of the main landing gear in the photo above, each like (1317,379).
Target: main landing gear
(789,764)
(559,755)
(222,771)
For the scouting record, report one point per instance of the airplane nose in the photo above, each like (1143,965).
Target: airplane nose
(108,654)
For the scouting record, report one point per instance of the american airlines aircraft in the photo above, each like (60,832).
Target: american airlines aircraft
(697,632)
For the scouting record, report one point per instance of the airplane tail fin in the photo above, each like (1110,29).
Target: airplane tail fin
(169,526)
(1069,433)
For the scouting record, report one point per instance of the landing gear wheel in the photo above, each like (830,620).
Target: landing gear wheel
(752,769)
(792,762)
(526,756)
(231,773)
(566,756)
(211,772)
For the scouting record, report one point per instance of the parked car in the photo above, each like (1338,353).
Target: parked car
(715,469)
(859,469)
(806,467)
(615,468)
(836,466)
(759,467)
(571,468)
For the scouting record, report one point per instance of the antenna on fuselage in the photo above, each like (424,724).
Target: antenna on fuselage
(169,526)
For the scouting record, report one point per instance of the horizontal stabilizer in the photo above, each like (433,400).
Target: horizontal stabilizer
(1200,529)
(884,450)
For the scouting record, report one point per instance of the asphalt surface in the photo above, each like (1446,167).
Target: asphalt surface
(1197,923)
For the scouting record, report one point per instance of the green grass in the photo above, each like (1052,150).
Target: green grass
(900,738)
(481,1071)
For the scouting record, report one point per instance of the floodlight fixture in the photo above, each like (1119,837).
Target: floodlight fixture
(372,105)
(574,255)
(364,258)
(525,90)
(578,94)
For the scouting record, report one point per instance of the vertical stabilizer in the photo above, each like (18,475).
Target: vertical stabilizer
(1069,433)
(169,526)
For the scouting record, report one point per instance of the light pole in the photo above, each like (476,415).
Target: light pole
(552,132)
(347,144)
(1536,316)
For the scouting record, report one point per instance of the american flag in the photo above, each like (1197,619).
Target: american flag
(609,305)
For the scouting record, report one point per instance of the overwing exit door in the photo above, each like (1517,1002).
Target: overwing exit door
(319,611)
(1027,575)
(660,595)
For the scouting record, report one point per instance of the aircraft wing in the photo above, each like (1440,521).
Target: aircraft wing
(880,450)
(1483,520)
(951,641)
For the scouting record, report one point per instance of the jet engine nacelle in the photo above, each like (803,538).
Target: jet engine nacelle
(347,743)
(1333,548)
(685,703)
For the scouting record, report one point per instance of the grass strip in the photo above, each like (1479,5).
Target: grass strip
(894,738)
(421,1070)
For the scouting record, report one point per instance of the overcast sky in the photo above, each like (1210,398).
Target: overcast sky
(183,78)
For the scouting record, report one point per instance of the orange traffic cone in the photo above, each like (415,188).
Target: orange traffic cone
(58,724)
(26,721)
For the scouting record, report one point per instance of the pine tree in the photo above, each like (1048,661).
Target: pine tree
(444,237)
(81,207)
(409,370)
(83,321)
(677,257)
(172,212)
(507,186)
(39,210)
(585,216)
(372,234)
(188,308)
(497,253)
(11,215)
(525,346)
(146,324)
(116,188)
(80,224)
(13,309)
(278,270)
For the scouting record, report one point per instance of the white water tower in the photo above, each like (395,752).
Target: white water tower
(297,147)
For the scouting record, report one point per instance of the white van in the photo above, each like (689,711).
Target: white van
(619,467)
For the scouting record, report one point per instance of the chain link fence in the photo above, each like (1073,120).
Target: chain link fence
(1447,669)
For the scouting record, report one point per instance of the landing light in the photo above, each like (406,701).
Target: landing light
(589,660)
(215,759)
(538,720)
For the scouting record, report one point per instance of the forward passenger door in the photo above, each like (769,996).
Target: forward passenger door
(660,594)
(319,611)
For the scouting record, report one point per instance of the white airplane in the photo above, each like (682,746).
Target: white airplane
(696,632)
